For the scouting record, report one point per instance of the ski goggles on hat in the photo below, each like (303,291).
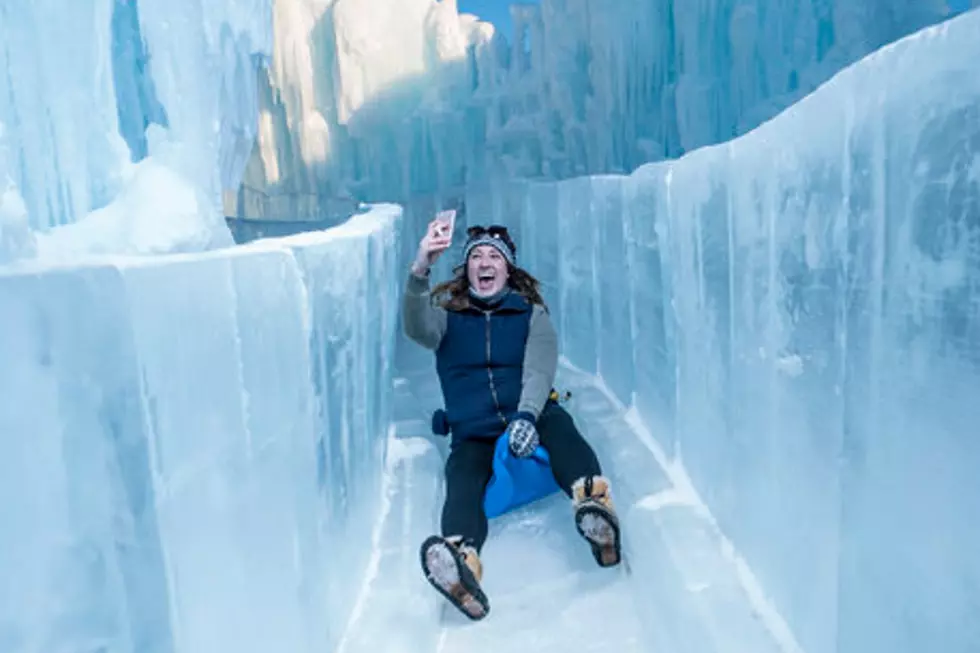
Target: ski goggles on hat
(496,236)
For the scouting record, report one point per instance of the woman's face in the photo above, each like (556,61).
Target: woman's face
(486,269)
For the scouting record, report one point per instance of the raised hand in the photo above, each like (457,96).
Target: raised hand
(437,239)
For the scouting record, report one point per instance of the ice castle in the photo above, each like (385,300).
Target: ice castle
(758,227)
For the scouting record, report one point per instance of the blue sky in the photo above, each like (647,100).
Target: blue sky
(494,11)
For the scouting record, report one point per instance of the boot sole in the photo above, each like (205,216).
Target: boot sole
(446,571)
(601,530)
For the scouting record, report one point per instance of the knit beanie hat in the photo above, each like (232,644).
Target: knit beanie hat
(498,239)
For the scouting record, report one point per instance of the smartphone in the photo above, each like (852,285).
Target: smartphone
(448,218)
(451,210)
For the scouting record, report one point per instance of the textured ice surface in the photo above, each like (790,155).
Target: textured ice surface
(345,80)
(17,241)
(193,445)
(408,100)
(82,81)
(16,238)
(798,311)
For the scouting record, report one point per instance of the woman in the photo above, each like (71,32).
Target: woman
(496,355)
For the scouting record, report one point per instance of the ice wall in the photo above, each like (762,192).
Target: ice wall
(16,239)
(348,82)
(192,445)
(796,317)
(398,101)
(91,88)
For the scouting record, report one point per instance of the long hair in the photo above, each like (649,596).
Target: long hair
(454,295)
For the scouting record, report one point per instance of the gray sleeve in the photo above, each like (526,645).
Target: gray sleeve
(424,323)
(540,362)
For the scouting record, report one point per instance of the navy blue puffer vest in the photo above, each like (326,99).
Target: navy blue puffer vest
(480,362)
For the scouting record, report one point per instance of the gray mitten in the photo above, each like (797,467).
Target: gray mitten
(522,437)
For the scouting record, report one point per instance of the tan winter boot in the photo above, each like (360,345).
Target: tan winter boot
(454,568)
(596,520)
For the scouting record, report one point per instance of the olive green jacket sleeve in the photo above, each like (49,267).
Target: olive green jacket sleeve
(423,322)
(540,362)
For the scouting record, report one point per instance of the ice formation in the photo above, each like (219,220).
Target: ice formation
(772,341)
(359,90)
(16,238)
(797,314)
(193,445)
(77,108)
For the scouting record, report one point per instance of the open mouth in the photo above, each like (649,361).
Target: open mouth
(485,281)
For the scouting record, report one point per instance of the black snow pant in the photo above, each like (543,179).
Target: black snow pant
(470,466)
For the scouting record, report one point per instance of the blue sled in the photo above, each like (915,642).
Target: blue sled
(515,481)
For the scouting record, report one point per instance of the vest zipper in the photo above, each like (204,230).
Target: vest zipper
(493,387)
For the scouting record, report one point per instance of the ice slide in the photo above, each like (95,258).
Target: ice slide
(546,592)
(204,452)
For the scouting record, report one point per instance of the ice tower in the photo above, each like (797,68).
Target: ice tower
(134,115)
(582,88)
(758,231)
